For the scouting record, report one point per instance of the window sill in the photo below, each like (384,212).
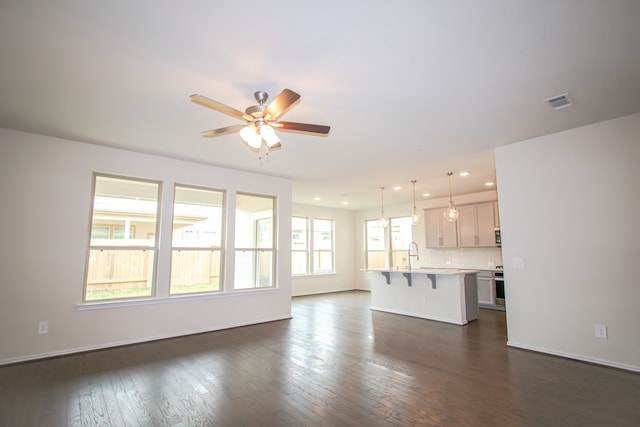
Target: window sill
(302,276)
(100,305)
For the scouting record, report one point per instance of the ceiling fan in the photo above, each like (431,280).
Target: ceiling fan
(261,120)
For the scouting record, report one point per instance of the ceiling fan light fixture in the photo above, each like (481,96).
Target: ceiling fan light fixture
(260,120)
(275,146)
(249,135)
(269,135)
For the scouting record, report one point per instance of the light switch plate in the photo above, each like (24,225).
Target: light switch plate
(43,327)
(517,262)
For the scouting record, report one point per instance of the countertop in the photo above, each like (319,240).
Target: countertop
(425,270)
(463,267)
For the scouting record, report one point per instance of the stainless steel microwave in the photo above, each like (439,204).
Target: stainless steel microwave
(498,237)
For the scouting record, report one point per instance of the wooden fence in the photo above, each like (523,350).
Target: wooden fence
(132,268)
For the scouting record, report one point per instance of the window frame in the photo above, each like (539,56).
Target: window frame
(220,250)
(312,252)
(306,251)
(389,250)
(154,269)
(398,257)
(368,251)
(154,248)
(257,250)
(312,268)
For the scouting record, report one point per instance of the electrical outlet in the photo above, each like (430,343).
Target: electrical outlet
(43,327)
(601,331)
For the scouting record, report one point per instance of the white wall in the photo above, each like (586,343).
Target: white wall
(569,207)
(45,185)
(345,249)
(468,257)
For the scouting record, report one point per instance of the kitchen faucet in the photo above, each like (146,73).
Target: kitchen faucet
(410,254)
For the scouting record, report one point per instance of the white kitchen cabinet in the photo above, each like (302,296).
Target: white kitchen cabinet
(439,232)
(476,225)
(486,288)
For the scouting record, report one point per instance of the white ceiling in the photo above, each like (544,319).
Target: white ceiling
(411,89)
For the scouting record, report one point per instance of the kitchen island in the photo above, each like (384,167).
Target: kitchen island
(445,295)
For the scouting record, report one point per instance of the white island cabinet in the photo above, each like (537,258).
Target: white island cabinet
(445,295)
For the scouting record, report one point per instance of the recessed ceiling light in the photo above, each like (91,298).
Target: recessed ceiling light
(316,198)
(489,183)
(345,203)
(426,194)
(465,173)
(397,187)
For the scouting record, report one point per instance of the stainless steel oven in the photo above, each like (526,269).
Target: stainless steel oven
(499,280)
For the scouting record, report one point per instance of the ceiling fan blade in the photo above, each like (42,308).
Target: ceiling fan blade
(319,130)
(221,108)
(282,103)
(222,131)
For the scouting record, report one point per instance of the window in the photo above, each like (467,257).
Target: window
(400,229)
(123,247)
(254,241)
(374,244)
(299,246)
(322,255)
(322,246)
(122,259)
(398,233)
(196,251)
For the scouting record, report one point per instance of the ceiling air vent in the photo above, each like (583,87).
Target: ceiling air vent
(559,102)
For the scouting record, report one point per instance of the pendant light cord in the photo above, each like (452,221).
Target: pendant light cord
(414,194)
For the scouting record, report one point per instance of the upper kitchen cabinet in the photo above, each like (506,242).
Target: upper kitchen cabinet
(439,232)
(476,225)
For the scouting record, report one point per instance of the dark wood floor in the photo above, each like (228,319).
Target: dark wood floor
(335,363)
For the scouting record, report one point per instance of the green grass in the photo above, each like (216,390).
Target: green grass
(110,294)
(196,287)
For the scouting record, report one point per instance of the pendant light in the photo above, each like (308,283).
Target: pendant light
(415,216)
(384,222)
(451,214)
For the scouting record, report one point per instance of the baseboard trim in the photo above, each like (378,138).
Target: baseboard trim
(579,357)
(104,346)
(330,291)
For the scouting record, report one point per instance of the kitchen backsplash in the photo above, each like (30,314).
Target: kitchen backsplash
(461,257)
